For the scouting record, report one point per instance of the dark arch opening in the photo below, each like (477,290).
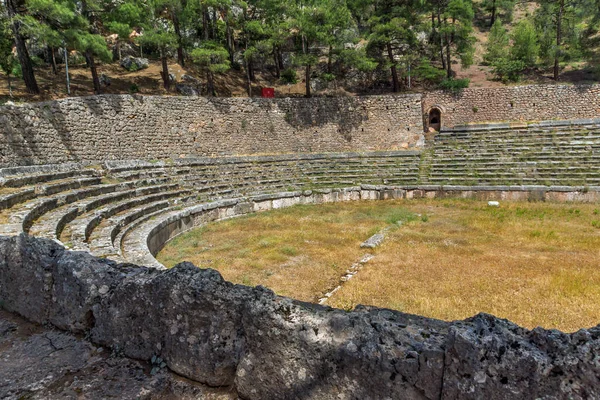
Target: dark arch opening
(435,119)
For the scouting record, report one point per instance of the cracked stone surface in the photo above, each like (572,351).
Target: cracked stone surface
(38,362)
(263,345)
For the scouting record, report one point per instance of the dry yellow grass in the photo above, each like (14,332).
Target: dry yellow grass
(299,251)
(537,264)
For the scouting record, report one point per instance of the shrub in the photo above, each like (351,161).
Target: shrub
(455,85)
(134,88)
(508,70)
(289,75)
(525,45)
(429,74)
(328,77)
(497,45)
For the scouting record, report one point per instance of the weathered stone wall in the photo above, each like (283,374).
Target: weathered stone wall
(272,347)
(515,104)
(109,127)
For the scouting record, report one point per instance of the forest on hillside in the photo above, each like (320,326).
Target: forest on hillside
(362,44)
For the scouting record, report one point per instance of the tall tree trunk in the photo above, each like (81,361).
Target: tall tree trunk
(448,58)
(22,53)
(251,69)
(280,59)
(205,23)
(52,60)
(229,37)
(308,94)
(561,9)
(493,19)
(393,68)
(9,85)
(90,59)
(177,28)
(165,70)
(439,18)
(210,83)
(214,24)
(249,78)
(276,62)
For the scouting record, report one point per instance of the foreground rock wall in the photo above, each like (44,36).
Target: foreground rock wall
(272,347)
(108,127)
(515,104)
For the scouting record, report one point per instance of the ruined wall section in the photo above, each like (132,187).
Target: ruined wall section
(271,347)
(515,104)
(113,127)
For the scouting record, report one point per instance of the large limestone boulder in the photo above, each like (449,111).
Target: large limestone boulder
(134,63)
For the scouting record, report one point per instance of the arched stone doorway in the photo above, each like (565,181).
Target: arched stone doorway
(435,119)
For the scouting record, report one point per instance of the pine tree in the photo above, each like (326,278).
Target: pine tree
(525,47)
(457,33)
(8,62)
(213,59)
(495,7)
(15,10)
(122,20)
(158,32)
(559,26)
(393,34)
(497,45)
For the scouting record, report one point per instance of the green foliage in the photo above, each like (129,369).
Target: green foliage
(457,28)
(497,45)
(525,47)
(289,75)
(328,77)
(429,74)
(497,7)
(508,70)
(88,42)
(8,61)
(158,38)
(455,85)
(212,57)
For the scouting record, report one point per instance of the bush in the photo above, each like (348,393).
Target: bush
(328,77)
(288,75)
(429,74)
(508,70)
(134,88)
(525,45)
(455,85)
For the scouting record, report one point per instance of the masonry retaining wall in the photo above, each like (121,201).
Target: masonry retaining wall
(109,127)
(515,104)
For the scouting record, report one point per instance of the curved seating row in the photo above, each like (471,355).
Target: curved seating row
(100,208)
(113,210)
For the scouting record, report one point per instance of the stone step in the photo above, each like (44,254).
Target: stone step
(52,223)
(83,226)
(21,180)
(105,243)
(26,213)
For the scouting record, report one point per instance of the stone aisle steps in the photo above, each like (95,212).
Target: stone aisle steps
(105,242)
(23,216)
(51,224)
(82,227)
